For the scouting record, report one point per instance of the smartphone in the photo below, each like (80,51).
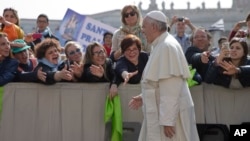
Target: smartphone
(37,35)
(68,64)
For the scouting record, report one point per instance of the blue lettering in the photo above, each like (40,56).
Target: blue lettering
(95,29)
(84,48)
(85,37)
(88,27)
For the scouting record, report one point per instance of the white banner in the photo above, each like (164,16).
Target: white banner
(82,29)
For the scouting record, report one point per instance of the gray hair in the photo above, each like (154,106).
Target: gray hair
(162,27)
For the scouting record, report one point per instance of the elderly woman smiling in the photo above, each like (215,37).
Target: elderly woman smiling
(130,66)
(48,55)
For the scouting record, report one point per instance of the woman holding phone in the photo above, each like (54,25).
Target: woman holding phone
(232,73)
(237,31)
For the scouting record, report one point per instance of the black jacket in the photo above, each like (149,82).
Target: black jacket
(124,64)
(49,73)
(214,75)
(87,76)
(193,56)
(26,73)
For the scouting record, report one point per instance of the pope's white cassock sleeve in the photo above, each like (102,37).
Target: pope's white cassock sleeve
(169,105)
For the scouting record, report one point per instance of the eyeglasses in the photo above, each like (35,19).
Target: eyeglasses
(74,52)
(131,50)
(98,53)
(132,13)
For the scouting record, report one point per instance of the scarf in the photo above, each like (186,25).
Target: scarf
(113,112)
(54,67)
(135,30)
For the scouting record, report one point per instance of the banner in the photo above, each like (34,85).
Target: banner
(217,26)
(82,29)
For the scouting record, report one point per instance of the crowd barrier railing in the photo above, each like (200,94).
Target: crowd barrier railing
(75,111)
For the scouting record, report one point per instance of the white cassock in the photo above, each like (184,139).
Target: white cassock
(165,93)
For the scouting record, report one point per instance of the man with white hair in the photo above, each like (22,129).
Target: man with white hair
(167,104)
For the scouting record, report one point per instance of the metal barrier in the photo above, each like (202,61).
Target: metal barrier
(75,111)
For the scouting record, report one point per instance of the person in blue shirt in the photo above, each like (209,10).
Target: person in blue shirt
(181,35)
(8,65)
(42,32)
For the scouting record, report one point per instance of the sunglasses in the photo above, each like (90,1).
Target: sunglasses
(132,13)
(74,52)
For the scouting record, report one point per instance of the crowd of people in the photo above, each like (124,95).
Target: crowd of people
(141,51)
(196,46)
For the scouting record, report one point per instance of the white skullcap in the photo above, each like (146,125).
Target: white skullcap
(157,15)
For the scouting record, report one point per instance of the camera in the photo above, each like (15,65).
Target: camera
(181,19)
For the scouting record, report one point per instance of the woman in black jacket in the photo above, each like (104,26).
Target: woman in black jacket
(232,73)
(130,66)
(98,67)
(49,60)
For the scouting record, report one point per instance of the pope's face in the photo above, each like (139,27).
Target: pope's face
(147,29)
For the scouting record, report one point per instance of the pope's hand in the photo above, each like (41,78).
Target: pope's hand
(135,103)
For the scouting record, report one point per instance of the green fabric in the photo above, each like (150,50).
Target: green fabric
(113,112)
(1,100)
(190,80)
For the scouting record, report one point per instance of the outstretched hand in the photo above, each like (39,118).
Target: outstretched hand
(97,70)
(66,74)
(229,67)
(205,57)
(41,75)
(127,76)
(135,103)
(77,69)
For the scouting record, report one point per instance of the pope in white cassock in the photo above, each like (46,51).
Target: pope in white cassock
(166,100)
